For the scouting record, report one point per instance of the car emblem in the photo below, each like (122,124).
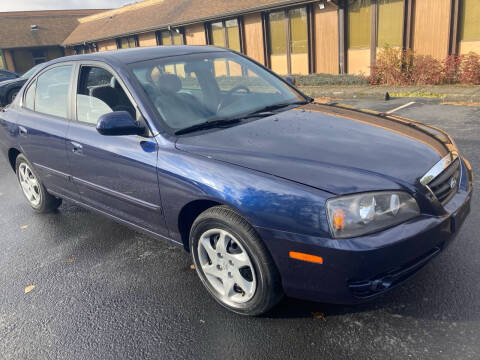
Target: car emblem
(453,183)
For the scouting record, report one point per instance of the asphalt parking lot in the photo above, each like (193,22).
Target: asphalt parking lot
(103,291)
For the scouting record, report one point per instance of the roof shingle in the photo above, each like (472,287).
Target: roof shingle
(53,27)
(156,14)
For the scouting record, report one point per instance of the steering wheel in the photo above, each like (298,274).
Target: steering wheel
(226,99)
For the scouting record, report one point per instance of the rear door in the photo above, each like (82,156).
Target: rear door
(114,174)
(43,124)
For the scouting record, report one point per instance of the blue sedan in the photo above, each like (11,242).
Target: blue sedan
(270,192)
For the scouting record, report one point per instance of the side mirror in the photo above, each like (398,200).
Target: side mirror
(290,80)
(119,123)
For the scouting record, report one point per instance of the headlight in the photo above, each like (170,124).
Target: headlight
(361,214)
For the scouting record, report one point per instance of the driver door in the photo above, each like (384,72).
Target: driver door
(114,174)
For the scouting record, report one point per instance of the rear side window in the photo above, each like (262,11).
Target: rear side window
(51,96)
(100,93)
(29,102)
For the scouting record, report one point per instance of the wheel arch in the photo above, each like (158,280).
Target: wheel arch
(192,210)
(12,157)
(187,216)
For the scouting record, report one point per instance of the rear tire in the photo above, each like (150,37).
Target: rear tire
(233,263)
(33,190)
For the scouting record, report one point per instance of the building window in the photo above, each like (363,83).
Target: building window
(226,34)
(39,56)
(127,42)
(79,50)
(288,41)
(390,23)
(359,21)
(168,37)
(470,21)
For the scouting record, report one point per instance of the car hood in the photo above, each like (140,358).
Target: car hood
(329,148)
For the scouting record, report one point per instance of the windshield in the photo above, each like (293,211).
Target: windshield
(193,89)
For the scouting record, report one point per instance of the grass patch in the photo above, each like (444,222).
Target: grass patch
(419,94)
(328,79)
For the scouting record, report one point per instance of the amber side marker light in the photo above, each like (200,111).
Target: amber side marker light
(306,257)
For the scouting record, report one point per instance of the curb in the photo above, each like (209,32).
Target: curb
(378,93)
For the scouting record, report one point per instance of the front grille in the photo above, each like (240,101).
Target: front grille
(445,185)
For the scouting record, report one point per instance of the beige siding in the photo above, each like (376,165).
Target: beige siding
(195,35)
(431,24)
(107,45)
(2,62)
(359,61)
(254,37)
(326,39)
(299,64)
(147,39)
(469,46)
(9,60)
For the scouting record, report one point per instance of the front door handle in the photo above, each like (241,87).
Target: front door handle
(77,148)
(22,130)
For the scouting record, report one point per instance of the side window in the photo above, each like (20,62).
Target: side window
(100,93)
(29,102)
(52,91)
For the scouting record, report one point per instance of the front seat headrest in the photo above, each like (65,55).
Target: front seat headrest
(169,82)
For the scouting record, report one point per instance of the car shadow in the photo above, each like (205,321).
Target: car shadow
(425,296)
(439,301)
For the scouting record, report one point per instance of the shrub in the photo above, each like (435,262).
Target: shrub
(470,69)
(399,68)
(451,68)
(388,68)
(426,70)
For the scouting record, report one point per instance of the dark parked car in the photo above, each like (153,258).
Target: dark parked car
(270,192)
(11,86)
(8,75)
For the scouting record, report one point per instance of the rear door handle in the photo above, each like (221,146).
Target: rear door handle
(22,130)
(77,148)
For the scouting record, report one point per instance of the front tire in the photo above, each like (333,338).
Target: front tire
(36,194)
(233,263)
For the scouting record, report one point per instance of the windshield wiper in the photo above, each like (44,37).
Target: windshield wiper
(273,107)
(218,123)
(208,125)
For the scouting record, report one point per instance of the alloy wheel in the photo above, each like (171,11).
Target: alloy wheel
(227,266)
(30,184)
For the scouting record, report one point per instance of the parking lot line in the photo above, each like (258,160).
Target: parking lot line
(400,107)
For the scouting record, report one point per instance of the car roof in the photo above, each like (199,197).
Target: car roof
(133,55)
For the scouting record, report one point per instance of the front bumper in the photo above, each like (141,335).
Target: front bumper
(359,269)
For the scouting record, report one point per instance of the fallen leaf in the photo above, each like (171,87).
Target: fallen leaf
(70,260)
(23,227)
(192,267)
(29,288)
(319,315)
